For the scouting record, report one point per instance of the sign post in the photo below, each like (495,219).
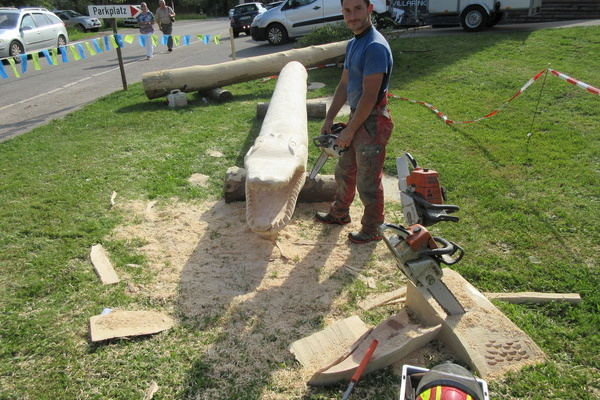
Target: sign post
(112,12)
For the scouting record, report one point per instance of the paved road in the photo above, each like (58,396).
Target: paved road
(41,96)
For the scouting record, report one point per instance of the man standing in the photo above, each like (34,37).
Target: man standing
(166,16)
(364,84)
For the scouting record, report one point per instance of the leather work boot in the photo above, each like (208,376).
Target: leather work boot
(326,218)
(361,237)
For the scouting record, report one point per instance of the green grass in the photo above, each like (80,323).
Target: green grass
(521,196)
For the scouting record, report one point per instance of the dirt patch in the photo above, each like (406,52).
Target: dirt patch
(253,297)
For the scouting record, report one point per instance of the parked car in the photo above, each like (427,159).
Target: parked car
(243,15)
(81,22)
(230,13)
(299,17)
(27,30)
(131,23)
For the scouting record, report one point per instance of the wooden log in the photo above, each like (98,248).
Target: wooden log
(217,94)
(313,110)
(203,77)
(321,189)
(534,297)
(276,163)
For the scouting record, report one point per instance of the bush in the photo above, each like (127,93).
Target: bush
(327,34)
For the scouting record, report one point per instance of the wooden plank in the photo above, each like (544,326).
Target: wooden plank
(534,297)
(324,347)
(382,299)
(102,265)
(397,337)
(128,323)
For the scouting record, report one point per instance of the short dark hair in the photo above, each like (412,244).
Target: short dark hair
(366,1)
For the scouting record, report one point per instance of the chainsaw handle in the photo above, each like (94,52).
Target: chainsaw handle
(323,140)
(412,160)
(448,249)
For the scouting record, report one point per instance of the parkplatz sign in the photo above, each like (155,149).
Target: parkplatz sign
(114,11)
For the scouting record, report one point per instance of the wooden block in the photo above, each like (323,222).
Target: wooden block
(397,337)
(318,190)
(102,265)
(128,323)
(535,297)
(483,337)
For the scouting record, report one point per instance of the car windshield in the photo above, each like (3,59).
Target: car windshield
(8,20)
(72,14)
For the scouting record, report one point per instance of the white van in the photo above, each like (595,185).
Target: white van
(295,18)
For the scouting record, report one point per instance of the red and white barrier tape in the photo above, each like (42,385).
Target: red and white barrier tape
(567,78)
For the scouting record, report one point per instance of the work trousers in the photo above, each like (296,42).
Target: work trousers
(361,168)
(167,29)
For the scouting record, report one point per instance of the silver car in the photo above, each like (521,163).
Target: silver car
(81,22)
(27,30)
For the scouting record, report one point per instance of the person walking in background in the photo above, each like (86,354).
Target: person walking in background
(146,22)
(364,84)
(166,16)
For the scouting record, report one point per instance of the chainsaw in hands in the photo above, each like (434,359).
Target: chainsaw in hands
(330,148)
(421,194)
(418,256)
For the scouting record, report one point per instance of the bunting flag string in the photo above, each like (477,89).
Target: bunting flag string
(94,46)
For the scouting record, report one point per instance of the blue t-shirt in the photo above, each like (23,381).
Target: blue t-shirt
(146,17)
(367,54)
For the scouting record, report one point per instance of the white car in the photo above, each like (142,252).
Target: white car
(298,17)
(81,22)
(27,30)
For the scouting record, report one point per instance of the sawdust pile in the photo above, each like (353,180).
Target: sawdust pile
(256,295)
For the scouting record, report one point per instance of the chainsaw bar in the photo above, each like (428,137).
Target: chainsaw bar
(445,298)
(319,164)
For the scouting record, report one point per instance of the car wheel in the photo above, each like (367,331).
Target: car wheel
(236,34)
(276,34)
(15,51)
(62,41)
(474,19)
(247,32)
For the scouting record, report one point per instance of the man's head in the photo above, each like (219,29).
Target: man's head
(162,4)
(357,14)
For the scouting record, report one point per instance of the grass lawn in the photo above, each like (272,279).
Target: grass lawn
(526,179)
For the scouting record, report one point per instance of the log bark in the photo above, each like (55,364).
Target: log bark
(321,189)
(204,77)
(313,110)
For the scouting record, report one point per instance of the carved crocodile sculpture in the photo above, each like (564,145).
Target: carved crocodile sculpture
(276,164)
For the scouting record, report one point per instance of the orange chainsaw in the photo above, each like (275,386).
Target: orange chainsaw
(421,194)
(419,254)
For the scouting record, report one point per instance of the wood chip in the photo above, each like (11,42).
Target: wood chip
(153,388)
(102,265)
(118,324)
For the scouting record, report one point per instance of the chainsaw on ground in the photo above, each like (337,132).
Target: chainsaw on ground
(421,194)
(419,254)
(330,148)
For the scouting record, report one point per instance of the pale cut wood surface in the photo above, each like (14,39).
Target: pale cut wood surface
(128,323)
(535,297)
(102,265)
